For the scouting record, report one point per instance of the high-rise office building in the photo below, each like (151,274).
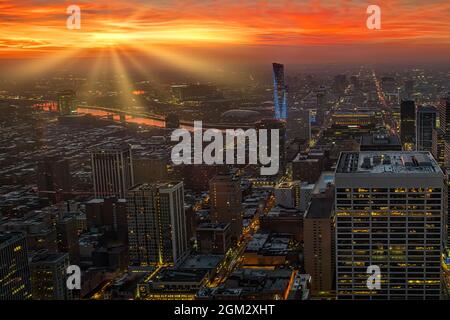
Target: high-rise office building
(213,238)
(444,115)
(49,275)
(156,224)
(109,215)
(226,202)
(446,154)
(298,126)
(407,124)
(14,269)
(112,170)
(67,102)
(389,213)
(306,190)
(307,168)
(67,237)
(447,217)
(438,146)
(409,89)
(319,244)
(425,124)
(321,97)
(279,91)
(54,179)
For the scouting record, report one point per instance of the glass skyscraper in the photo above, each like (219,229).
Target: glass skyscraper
(425,124)
(279,92)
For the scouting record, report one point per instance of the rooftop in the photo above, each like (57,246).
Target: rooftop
(320,208)
(111,147)
(326,179)
(387,162)
(201,262)
(213,226)
(427,109)
(380,139)
(180,275)
(152,186)
(9,237)
(287,184)
(49,258)
(353,113)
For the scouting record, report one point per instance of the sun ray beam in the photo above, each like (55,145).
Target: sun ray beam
(124,84)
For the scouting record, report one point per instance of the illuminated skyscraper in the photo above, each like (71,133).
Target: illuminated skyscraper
(112,170)
(156,224)
(389,213)
(226,202)
(279,92)
(425,124)
(48,276)
(14,269)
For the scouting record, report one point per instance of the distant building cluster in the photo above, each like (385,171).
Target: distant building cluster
(363,181)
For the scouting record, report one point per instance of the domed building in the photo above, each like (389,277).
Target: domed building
(240,116)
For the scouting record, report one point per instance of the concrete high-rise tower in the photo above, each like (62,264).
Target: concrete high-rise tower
(156,224)
(390,214)
(112,170)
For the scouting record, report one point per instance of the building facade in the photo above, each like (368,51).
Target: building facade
(279,91)
(444,115)
(49,276)
(15,281)
(226,202)
(425,124)
(112,170)
(389,213)
(156,224)
(318,226)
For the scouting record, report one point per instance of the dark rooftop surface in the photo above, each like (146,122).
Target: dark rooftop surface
(320,208)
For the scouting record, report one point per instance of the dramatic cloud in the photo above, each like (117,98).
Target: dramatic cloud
(41,25)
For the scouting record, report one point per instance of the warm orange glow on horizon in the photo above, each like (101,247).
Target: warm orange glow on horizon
(206,37)
(35,28)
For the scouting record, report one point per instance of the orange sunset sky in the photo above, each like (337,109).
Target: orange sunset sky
(293,30)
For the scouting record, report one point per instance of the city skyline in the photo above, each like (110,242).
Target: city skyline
(211,151)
